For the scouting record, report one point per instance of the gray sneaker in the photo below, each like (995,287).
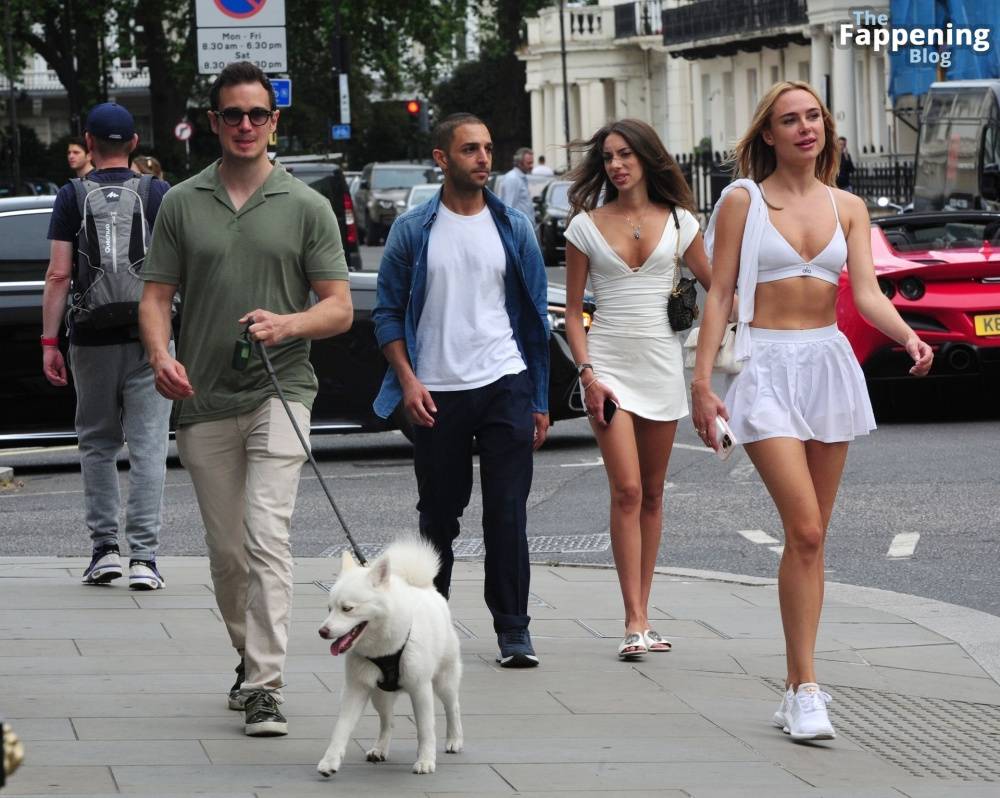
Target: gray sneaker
(238,700)
(263,718)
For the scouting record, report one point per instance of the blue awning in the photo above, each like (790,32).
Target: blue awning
(908,77)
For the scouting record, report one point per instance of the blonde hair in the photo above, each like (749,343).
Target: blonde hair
(755,158)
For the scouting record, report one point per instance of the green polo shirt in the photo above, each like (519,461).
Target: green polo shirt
(227,263)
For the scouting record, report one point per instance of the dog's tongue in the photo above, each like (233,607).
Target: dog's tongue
(341,644)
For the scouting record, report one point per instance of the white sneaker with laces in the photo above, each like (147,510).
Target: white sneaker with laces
(780,718)
(807,716)
(143,575)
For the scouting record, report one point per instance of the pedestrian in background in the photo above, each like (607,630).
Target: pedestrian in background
(147,165)
(845,171)
(514,189)
(631,356)
(116,400)
(541,168)
(78,158)
(781,236)
(461,316)
(244,241)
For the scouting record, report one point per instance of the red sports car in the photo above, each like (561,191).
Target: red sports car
(942,272)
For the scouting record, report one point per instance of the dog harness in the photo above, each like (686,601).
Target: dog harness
(389,666)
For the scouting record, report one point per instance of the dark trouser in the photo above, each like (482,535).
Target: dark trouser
(499,417)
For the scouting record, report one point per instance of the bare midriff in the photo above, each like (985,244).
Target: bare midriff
(795,303)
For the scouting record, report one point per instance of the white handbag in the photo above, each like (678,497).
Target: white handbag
(725,360)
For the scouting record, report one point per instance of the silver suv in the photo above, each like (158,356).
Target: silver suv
(381,197)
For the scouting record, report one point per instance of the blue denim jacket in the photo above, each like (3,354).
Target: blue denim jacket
(402,280)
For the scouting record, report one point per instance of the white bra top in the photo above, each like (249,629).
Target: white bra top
(777,259)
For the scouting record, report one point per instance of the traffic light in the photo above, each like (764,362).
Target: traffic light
(418,115)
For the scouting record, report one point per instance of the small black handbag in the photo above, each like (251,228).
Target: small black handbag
(682,304)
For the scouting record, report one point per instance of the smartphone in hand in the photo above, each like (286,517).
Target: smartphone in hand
(610,406)
(724,435)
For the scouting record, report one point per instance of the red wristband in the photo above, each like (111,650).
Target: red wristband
(50,341)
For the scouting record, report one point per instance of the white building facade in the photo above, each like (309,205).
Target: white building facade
(696,71)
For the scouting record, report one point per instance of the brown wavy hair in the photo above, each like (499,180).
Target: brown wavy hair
(754,158)
(665,183)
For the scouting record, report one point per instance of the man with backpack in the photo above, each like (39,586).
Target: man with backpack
(100,231)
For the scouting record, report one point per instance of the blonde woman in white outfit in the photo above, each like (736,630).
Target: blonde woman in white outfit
(631,355)
(780,236)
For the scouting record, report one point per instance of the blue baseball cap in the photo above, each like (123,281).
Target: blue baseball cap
(110,121)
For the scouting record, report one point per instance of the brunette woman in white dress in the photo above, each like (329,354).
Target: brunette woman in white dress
(631,356)
(781,235)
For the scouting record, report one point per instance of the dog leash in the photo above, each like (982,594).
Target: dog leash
(262,351)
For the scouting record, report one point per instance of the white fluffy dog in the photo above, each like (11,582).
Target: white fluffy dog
(396,631)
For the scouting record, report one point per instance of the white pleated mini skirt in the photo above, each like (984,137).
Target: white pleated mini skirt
(803,384)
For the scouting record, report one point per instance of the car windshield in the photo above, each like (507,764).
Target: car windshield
(398,178)
(559,195)
(421,194)
(943,235)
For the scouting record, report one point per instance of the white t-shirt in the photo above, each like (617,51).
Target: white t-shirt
(464,338)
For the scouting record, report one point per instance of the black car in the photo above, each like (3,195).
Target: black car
(350,367)
(328,179)
(552,211)
(381,195)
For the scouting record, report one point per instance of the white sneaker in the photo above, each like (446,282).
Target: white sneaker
(143,575)
(105,565)
(806,717)
(780,718)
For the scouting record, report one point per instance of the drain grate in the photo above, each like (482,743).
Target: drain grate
(926,737)
(474,547)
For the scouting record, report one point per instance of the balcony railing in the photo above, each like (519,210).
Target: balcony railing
(641,18)
(710,19)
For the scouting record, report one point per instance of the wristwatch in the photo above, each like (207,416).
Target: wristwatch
(582,367)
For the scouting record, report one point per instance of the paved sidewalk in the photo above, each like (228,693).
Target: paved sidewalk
(119,693)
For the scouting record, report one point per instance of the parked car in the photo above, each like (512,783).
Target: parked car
(30,187)
(328,179)
(942,272)
(381,196)
(350,367)
(418,195)
(552,211)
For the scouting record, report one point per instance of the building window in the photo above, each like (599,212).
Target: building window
(774,74)
(752,94)
(804,71)
(729,107)
(706,106)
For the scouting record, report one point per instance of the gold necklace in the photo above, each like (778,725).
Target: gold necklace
(636,228)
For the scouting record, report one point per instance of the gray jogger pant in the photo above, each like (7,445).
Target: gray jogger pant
(116,401)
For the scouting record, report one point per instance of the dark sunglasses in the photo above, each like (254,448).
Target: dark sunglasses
(234,116)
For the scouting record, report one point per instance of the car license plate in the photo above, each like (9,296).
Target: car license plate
(987,325)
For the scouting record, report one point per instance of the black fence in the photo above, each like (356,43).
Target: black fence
(709,173)
(640,18)
(706,19)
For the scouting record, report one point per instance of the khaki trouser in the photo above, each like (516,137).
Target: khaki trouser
(245,471)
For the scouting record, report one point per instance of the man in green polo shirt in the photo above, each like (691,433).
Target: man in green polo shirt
(245,242)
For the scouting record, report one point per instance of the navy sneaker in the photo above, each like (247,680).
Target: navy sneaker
(142,575)
(104,566)
(516,650)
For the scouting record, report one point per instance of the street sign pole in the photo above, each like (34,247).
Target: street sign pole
(339,54)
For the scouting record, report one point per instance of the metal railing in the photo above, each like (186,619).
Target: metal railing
(709,173)
(708,19)
(641,18)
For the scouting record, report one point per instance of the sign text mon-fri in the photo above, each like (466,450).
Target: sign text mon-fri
(241,30)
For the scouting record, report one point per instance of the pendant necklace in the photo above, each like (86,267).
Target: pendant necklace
(636,228)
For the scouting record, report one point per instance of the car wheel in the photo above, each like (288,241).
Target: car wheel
(402,423)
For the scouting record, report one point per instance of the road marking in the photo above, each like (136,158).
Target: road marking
(779,550)
(743,472)
(599,461)
(903,545)
(757,536)
(37,449)
(691,447)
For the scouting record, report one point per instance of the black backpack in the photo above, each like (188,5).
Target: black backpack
(111,247)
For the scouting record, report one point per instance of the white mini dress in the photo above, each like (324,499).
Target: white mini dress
(630,344)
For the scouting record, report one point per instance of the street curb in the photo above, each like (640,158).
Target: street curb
(978,633)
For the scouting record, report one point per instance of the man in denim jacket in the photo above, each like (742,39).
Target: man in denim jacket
(461,316)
